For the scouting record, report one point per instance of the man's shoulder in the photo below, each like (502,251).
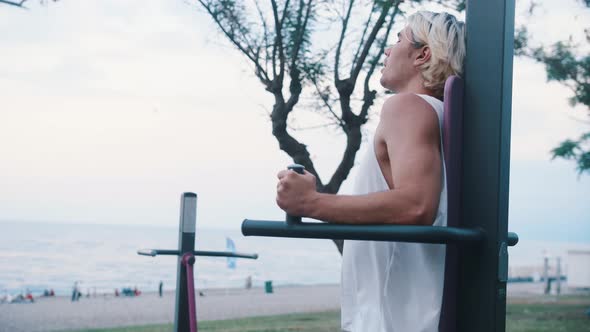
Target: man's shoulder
(407,107)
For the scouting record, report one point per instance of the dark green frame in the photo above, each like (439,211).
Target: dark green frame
(486,163)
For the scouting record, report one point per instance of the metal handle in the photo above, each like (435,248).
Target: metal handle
(293,220)
(147,252)
(224,254)
(156,252)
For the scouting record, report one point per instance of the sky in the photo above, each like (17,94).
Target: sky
(109,110)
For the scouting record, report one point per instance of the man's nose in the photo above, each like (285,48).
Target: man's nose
(387,51)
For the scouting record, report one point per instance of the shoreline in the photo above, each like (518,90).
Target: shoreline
(210,290)
(59,313)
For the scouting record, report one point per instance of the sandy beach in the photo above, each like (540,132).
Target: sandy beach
(59,313)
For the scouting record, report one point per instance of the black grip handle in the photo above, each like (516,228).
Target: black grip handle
(295,219)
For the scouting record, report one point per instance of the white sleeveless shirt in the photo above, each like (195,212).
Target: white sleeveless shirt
(393,286)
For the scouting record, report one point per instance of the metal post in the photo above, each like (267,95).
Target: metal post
(558,276)
(186,243)
(546,275)
(486,164)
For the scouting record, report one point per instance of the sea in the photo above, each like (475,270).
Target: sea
(35,257)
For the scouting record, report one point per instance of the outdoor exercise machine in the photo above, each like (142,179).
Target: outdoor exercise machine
(185,316)
(478,161)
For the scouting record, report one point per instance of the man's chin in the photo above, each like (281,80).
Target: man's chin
(384,83)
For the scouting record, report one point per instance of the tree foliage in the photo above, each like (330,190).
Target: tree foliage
(564,64)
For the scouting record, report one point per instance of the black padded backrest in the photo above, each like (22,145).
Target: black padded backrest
(452,142)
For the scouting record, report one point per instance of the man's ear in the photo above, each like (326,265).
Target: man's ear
(423,56)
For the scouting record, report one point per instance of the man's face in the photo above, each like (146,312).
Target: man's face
(398,67)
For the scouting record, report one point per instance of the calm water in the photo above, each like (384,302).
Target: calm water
(40,256)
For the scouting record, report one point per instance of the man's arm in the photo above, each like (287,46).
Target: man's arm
(409,128)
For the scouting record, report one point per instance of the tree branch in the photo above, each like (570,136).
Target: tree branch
(369,95)
(287,143)
(346,86)
(301,26)
(341,40)
(296,86)
(353,144)
(265,32)
(327,104)
(261,73)
(358,50)
(279,42)
(14,3)
(359,65)
(314,127)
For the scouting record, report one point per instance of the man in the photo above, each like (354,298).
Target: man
(389,286)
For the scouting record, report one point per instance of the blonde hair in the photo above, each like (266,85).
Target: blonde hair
(445,36)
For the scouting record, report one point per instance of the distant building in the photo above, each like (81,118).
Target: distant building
(578,268)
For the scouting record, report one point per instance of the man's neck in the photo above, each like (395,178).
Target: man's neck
(416,85)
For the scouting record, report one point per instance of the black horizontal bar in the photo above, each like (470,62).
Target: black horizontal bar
(155,252)
(398,233)
(225,254)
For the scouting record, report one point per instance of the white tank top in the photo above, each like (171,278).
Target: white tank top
(393,286)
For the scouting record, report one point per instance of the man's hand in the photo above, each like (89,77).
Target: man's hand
(296,192)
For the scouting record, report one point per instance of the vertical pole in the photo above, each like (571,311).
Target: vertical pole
(558,276)
(186,243)
(546,274)
(483,271)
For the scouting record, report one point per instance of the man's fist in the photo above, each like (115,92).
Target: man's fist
(296,192)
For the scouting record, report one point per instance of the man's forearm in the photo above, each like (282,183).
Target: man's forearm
(388,207)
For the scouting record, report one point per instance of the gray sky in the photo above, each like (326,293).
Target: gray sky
(111,109)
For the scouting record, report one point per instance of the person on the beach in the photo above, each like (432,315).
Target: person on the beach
(160,288)
(29,296)
(75,292)
(390,286)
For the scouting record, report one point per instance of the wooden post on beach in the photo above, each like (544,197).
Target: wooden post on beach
(186,243)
